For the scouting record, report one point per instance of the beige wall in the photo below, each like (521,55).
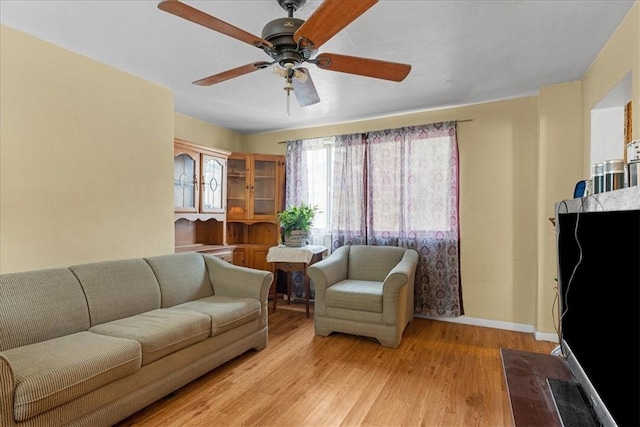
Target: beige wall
(619,56)
(565,140)
(498,175)
(518,158)
(206,134)
(84,150)
(560,136)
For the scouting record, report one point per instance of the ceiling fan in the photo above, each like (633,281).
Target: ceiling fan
(290,42)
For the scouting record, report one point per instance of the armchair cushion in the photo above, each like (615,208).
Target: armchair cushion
(361,295)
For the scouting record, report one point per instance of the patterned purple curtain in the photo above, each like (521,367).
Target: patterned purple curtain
(396,187)
(297,181)
(412,202)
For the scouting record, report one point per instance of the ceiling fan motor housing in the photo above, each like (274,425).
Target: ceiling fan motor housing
(285,50)
(291,5)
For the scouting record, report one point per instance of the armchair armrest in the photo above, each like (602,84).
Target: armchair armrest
(398,286)
(7,392)
(330,270)
(402,272)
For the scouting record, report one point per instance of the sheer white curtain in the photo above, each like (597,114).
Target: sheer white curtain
(348,201)
(307,181)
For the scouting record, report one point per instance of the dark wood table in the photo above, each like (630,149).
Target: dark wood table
(532,403)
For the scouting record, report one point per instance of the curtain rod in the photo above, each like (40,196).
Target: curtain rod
(457,121)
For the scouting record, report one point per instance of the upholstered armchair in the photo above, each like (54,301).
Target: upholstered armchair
(365,290)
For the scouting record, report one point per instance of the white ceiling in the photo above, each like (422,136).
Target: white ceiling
(461,52)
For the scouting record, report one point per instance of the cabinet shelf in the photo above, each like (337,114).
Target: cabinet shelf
(199,216)
(200,199)
(224,252)
(253,202)
(201,247)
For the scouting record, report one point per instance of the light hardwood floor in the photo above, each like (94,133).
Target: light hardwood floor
(443,374)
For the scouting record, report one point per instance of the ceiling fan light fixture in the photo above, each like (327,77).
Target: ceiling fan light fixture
(289,71)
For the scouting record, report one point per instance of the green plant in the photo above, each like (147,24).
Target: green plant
(297,218)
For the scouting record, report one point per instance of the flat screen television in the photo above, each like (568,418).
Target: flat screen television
(599,328)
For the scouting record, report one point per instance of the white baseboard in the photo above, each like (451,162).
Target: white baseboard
(517,327)
(546,336)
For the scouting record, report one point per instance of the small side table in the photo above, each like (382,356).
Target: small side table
(290,259)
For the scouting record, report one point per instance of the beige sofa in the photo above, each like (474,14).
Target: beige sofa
(365,290)
(94,343)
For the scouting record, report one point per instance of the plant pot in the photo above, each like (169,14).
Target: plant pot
(296,238)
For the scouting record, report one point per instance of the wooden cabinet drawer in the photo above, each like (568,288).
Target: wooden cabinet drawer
(226,255)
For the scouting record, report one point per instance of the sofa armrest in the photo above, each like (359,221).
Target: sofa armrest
(7,392)
(235,281)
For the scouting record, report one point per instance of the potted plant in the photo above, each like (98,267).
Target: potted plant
(295,223)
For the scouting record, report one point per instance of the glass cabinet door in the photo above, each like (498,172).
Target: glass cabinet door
(213,170)
(264,187)
(185,182)
(237,188)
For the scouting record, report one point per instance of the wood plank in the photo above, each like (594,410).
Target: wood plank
(442,374)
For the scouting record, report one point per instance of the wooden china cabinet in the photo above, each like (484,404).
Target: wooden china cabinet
(199,191)
(255,196)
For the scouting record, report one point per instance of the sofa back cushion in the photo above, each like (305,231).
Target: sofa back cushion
(40,305)
(373,262)
(118,289)
(182,277)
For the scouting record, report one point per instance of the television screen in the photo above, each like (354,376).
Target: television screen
(599,286)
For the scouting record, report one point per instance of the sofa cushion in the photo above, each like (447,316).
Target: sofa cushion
(159,332)
(53,372)
(30,300)
(117,289)
(361,295)
(226,313)
(182,277)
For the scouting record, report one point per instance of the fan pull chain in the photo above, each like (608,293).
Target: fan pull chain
(288,87)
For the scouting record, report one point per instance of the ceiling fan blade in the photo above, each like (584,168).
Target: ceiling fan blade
(367,67)
(328,19)
(305,90)
(192,14)
(229,74)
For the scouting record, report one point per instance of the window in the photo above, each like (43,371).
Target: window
(394,187)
